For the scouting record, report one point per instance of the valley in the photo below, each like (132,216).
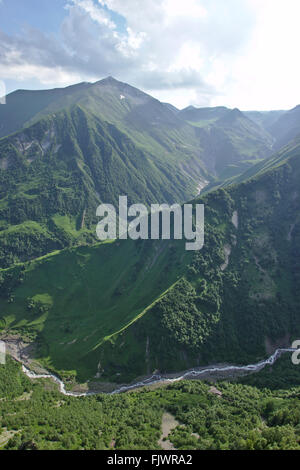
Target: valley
(210,373)
(140,316)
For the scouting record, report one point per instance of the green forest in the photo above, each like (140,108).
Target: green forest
(241,416)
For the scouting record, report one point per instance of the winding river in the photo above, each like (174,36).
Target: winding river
(160,379)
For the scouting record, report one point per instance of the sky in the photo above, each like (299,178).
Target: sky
(235,53)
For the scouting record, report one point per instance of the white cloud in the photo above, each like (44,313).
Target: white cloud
(129,45)
(267,75)
(188,8)
(97,14)
(233,52)
(47,76)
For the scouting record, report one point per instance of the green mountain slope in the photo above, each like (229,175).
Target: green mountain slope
(286,127)
(202,143)
(76,299)
(152,125)
(230,141)
(265,119)
(241,292)
(54,174)
(278,159)
(203,116)
(23,105)
(94,142)
(126,309)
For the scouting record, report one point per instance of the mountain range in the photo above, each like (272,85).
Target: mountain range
(115,311)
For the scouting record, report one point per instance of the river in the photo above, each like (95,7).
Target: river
(160,379)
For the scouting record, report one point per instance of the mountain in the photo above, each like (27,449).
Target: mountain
(230,141)
(121,310)
(286,127)
(203,116)
(115,311)
(265,119)
(69,149)
(192,138)
(23,105)
(55,172)
(82,145)
(151,124)
(279,158)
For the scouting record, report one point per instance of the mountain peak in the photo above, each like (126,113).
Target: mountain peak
(236,113)
(296,109)
(189,108)
(231,116)
(109,81)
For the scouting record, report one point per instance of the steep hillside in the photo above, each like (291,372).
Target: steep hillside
(94,142)
(203,143)
(73,301)
(23,105)
(286,128)
(231,142)
(265,119)
(203,116)
(278,159)
(54,174)
(126,309)
(152,125)
(244,280)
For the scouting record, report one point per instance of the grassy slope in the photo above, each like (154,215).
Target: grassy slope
(55,173)
(203,319)
(97,292)
(84,144)
(151,125)
(83,296)
(23,105)
(286,127)
(260,167)
(230,141)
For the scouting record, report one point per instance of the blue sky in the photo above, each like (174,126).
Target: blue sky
(46,15)
(17,16)
(237,53)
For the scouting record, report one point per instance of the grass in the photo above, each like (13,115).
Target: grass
(85,296)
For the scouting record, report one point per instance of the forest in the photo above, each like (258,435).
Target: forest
(259,412)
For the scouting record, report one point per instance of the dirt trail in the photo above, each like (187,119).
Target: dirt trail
(6,436)
(168,424)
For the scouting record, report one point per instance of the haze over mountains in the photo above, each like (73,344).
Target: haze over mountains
(118,310)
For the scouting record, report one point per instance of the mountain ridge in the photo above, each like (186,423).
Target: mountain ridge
(245,277)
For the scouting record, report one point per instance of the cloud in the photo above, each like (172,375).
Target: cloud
(168,44)
(267,75)
(197,52)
